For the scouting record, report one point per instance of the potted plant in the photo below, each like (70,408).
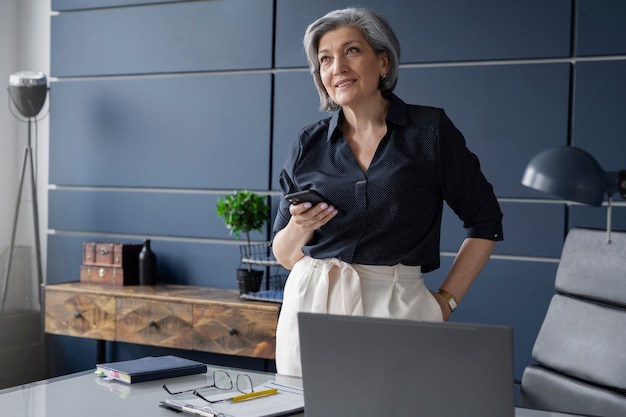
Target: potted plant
(243,212)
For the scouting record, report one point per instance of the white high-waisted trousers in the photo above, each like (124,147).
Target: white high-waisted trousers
(335,287)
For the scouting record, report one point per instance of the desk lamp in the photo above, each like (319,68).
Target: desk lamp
(575,175)
(28,90)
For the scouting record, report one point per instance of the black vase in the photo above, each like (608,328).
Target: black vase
(147,265)
(249,280)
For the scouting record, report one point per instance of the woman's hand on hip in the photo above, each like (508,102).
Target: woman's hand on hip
(446,311)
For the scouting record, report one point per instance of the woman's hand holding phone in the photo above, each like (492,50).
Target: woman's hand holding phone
(309,196)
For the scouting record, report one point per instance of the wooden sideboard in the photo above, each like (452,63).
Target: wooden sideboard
(175,316)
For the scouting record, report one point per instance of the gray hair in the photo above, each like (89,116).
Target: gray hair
(378,34)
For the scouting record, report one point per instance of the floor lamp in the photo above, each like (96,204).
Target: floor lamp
(28,90)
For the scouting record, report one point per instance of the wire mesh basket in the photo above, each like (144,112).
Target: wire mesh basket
(275,282)
(274,279)
(257,254)
(272,289)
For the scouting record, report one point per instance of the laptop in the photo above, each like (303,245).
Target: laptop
(371,367)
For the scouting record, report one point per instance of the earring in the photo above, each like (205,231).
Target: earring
(382,77)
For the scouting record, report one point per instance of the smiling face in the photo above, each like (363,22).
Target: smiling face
(350,69)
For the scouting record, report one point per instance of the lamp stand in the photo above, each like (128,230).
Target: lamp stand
(28,159)
(609,219)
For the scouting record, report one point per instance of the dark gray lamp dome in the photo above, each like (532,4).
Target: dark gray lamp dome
(567,172)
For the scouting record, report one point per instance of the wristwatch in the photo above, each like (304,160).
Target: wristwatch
(449,299)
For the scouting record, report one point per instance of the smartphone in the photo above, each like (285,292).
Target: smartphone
(309,196)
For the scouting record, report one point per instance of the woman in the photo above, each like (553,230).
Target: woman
(389,166)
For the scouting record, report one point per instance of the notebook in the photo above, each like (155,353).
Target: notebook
(150,368)
(372,367)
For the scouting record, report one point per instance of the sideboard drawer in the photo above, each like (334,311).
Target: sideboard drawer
(235,331)
(187,317)
(157,323)
(83,315)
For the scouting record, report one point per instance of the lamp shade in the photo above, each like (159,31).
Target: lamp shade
(567,172)
(28,91)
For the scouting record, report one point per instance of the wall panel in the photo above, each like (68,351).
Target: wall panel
(600,28)
(296,104)
(177,214)
(507,113)
(176,37)
(596,217)
(67,5)
(534,230)
(444,30)
(184,131)
(599,116)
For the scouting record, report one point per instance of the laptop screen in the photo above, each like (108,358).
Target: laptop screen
(372,367)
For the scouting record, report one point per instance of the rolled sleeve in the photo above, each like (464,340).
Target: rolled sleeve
(466,190)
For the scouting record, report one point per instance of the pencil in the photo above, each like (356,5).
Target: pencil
(256,394)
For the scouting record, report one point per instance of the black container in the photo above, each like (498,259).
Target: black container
(147,265)
(249,280)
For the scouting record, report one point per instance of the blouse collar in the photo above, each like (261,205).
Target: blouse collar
(397,114)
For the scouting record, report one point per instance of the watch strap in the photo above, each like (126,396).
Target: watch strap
(449,299)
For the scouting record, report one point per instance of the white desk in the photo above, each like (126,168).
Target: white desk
(84,394)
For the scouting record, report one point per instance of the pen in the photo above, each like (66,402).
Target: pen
(256,394)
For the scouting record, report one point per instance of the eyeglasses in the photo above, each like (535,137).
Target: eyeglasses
(222,381)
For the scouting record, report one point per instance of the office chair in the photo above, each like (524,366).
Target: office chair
(581,347)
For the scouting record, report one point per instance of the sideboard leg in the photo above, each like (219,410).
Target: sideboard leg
(101,351)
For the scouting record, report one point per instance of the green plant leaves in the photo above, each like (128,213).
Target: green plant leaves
(243,211)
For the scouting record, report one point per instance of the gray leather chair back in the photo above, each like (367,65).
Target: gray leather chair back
(581,348)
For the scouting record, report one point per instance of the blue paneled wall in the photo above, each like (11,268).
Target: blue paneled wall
(184,131)
(160,107)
